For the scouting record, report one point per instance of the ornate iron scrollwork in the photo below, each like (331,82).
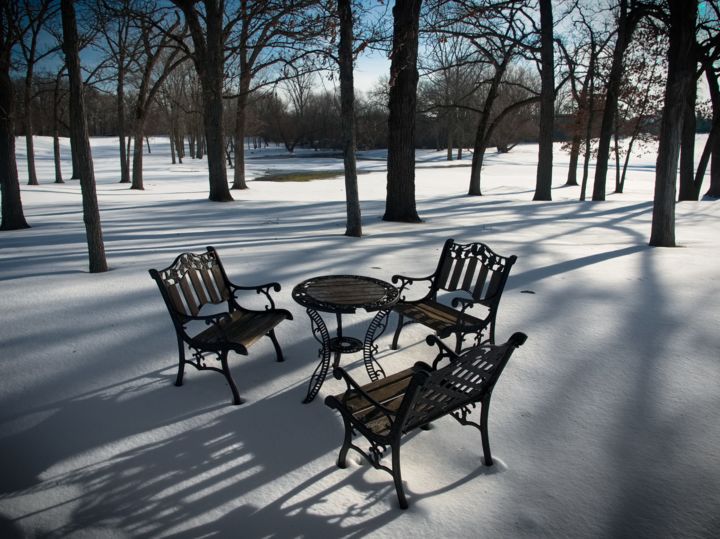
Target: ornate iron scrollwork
(377,328)
(321,334)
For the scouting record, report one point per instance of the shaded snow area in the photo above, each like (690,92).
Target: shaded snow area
(604,423)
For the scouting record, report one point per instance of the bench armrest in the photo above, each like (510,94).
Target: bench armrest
(339,373)
(444,351)
(407,282)
(259,289)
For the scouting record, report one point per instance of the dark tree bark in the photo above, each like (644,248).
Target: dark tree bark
(681,75)
(13,217)
(712,146)
(209,60)
(347,118)
(543,184)
(81,140)
(56,127)
(688,189)
(36,15)
(627,22)
(482,134)
(240,122)
(400,200)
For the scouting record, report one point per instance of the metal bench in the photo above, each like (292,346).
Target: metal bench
(386,409)
(193,281)
(478,276)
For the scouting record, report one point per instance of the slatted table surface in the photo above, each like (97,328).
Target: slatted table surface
(345,293)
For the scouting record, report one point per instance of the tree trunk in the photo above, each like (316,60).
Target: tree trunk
(713,143)
(681,74)
(477,158)
(56,130)
(124,169)
(209,59)
(347,118)
(574,158)
(172,145)
(240,120)
(688,191)
(482,134)
(714,190)
(56,157)
(450,124)
(543,184)
(79,134)
(137,167)
(626,26)
(400,201)
(13,217)
(28,124)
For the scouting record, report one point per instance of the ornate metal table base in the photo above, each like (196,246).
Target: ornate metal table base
(343,294)
(336,346)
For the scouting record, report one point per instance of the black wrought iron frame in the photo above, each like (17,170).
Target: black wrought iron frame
(209,261)
(485,330)
(341,344)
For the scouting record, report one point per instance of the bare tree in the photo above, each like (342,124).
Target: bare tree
(543,184)
(400,200)
(209,59)
(269,34)
(34,16)
(13,217)
(117,24)
(81,141)
(156,60)
(630,12)
(681,75)
(707,49)
(347,115)
(500,35)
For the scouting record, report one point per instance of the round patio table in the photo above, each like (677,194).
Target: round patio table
(344,294)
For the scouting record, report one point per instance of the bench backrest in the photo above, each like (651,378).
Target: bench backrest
(474,268)
(466,379)
(192,281)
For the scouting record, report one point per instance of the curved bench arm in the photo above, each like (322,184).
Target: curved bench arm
(407,282)
(263,289)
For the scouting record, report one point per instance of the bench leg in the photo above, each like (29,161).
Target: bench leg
(341,461)
(276,344)
(397,477)
(181,362)
(228,377)
(394,344)
(484,411)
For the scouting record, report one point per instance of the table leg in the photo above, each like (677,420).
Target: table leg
(377,327)
(321,334)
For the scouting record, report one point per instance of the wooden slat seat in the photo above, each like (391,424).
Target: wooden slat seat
(244,328)
(386,409)
(193,281)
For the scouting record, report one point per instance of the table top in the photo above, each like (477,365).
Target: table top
(345,293)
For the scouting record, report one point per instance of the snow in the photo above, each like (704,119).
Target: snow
(604,423)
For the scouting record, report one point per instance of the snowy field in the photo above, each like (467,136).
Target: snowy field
(603,425)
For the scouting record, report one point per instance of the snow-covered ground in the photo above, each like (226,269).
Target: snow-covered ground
(603,425)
